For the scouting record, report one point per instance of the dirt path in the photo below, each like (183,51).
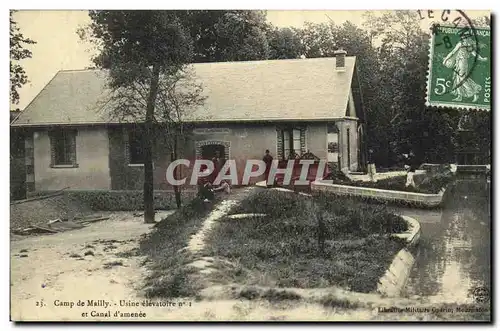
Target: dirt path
(48,279)
(55,267)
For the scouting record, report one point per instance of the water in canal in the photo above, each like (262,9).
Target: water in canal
(453,255)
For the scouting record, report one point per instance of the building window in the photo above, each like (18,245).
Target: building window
(135,146)
(332,143)
(291,143)
(63,148)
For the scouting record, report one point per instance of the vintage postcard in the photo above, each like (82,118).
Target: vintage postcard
(250,165)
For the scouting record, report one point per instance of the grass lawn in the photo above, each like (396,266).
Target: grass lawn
(282,250)
(170,277)
(425,183)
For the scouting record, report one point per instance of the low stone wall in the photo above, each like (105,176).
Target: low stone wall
(412,235)
(473,168)
(394,280)
(427,200)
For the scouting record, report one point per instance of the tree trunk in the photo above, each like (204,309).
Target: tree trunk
(149,210)
(173,157)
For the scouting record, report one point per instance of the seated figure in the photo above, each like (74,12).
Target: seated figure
(207,190)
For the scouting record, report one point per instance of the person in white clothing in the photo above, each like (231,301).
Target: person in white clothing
(412,164)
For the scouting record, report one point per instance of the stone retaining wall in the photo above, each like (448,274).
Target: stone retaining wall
(428,200)
(394,280)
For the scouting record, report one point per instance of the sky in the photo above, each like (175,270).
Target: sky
(59,47)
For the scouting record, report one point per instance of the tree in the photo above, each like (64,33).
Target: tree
(322,40)
(392,57)
(400,120)
(284,43)
(178,95)
(227,35)
(140,49)
(396,29)
(18,76)
(242,37)
(399,40)
(317,40)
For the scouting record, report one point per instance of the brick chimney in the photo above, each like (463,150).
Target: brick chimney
(340,59)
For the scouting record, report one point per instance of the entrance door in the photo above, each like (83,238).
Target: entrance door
(208,151)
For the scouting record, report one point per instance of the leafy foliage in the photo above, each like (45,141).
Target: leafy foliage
(284,43)
(399,120)
(130,42)
(391,51)
(18,52)
(227,35)
(146,53)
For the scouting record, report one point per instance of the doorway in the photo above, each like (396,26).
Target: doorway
(208,151)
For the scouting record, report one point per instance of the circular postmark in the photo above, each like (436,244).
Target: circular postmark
(480,294)
(459,50)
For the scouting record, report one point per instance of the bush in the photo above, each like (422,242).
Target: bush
(273,203)
(337,175)
(275,295)
(331,301)
(126,200)
(435,181)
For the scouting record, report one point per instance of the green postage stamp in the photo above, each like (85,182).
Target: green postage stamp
(460,68)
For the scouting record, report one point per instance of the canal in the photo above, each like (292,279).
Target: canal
(453,255)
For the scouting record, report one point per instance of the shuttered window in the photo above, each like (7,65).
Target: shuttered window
(291,142)
(63,147)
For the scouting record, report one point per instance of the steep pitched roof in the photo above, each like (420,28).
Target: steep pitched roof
(274,90)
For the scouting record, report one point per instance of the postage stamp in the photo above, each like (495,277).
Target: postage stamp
(460,68)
